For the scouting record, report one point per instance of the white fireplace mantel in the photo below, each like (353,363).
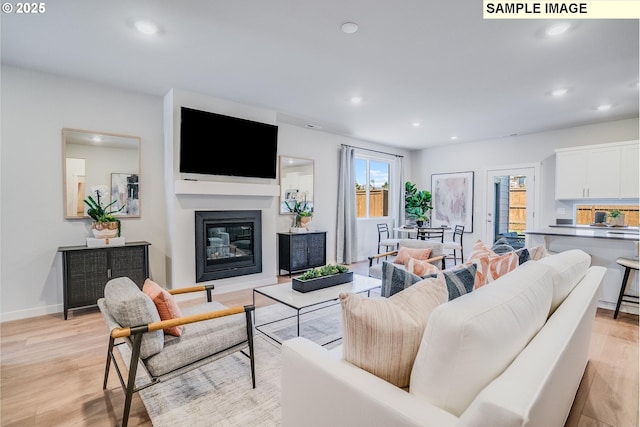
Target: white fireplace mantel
(215,188)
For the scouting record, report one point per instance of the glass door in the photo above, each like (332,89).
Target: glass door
(510,204)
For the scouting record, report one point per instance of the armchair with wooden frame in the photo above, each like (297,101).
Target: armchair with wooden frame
(211,331)
(436,258)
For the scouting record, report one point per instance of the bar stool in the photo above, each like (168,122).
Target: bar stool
(628,264)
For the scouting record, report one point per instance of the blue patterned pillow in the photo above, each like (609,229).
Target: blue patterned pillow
(502,246)
(460,280)
(523,255)
(395,279)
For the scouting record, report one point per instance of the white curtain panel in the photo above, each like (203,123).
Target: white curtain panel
(346,233)
(397,197)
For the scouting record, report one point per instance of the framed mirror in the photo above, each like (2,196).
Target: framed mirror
(296,182)
(104,162)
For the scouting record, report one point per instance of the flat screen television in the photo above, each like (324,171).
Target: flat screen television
(215,144)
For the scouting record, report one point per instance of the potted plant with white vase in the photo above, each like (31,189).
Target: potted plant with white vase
(617,218)
(303,213)
(105,225)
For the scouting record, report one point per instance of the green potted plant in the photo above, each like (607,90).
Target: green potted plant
(617,218)
(105,225)
(322,277)
(417,203)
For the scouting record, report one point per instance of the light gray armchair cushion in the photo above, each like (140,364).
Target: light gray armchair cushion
(200,340)
(129,306)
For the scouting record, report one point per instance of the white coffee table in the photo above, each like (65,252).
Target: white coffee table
(303,302)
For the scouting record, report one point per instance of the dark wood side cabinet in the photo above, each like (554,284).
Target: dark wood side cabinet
(85,271)
(301,251)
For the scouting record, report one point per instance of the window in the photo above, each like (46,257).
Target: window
(372,187)
(586,214)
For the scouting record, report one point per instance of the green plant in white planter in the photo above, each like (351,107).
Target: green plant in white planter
(617,218)
(417,203)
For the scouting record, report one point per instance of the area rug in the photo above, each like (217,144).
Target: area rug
(220,393)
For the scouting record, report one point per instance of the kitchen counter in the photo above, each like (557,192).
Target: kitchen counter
(616,233)
(604,244)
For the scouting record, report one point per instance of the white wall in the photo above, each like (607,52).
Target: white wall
(37,106)
(532,148)
(293,141)
(35,109)
(181,207)
(324,148)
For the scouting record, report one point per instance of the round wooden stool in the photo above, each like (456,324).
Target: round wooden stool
(628,264)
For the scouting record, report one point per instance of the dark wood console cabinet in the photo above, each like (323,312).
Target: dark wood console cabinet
(301,251)
(85,271)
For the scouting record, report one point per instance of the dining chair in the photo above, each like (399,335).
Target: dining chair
(455,245)
(431,234)
(385,240)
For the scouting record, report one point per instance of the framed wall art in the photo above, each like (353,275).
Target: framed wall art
(124,189)
(452,199)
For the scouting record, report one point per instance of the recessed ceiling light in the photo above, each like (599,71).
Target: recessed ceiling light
(349,27)
(453,137)
(559,92)
(146,27)
(557,29)
(415,124)
(355,99)
(96,139)
(604,107)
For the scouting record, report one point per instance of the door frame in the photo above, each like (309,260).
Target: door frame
(511,169)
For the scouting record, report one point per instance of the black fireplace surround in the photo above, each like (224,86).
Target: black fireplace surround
(228,244)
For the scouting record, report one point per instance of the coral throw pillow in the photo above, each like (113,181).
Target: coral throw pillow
(165,303)
(405,253)
(420,267)
(502,264)
(490,265)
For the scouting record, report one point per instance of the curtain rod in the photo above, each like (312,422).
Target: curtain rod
(375,151)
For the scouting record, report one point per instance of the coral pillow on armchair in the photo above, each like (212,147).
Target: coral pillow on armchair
(405,253)
(165,303)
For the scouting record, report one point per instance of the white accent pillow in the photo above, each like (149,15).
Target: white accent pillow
(569,267)
(471,340)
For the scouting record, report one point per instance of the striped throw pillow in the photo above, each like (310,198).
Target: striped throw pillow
(382,335)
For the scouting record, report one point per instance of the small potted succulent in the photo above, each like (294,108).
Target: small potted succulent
(105,225)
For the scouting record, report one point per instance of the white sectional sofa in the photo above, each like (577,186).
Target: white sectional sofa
(511,353)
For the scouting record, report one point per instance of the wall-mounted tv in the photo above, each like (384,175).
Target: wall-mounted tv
(215,144)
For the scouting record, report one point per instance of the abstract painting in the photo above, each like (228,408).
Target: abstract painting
(452,200)
(125,191)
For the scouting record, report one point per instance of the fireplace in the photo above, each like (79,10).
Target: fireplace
(228,244)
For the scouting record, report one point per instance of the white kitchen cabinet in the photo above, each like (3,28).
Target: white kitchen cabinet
(605,171)
(571,174)
(629,175)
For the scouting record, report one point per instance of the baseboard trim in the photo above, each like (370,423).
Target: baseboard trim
(30,312)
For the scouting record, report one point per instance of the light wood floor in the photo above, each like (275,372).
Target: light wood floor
(52,371)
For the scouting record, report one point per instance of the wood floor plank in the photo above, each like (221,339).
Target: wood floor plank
(51,371)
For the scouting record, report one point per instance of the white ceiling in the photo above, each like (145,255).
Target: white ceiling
(436,62)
